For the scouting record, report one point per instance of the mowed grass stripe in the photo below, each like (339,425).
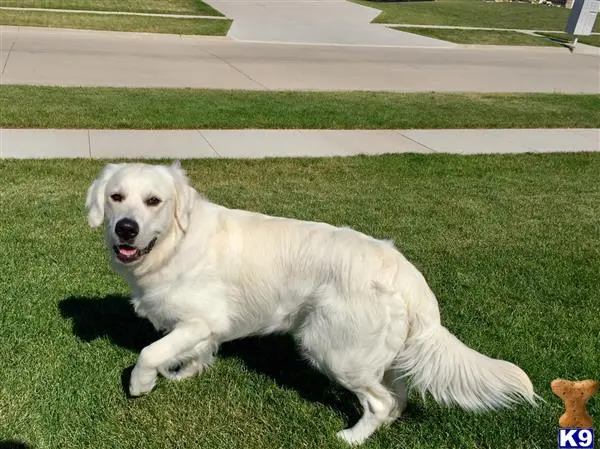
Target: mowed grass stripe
(593,39)
(479,13)
(481,37)
(125,108)
(113,22)
(194,7)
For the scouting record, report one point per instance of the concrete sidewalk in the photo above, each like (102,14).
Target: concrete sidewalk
(189,144)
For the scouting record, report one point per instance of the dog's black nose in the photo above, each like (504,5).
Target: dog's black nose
(127,229)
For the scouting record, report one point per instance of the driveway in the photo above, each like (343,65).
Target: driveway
(313,21)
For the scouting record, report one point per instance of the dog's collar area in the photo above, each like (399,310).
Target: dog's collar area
(127,253)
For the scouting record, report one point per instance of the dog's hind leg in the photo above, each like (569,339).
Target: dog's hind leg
(354,342)
(395,383)
(378,408)
(382,403)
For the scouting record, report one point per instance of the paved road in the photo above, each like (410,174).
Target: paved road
(95,58)
(247,143)
(313,21)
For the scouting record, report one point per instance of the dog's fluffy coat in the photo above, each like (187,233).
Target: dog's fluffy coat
(359,310)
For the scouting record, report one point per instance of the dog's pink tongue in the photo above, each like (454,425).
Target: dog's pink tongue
(127,252)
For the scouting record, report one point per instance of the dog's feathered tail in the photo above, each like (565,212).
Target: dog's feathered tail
(435,361)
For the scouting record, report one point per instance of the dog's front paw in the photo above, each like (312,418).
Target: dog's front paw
(351,436)
(142,381)
(182,371)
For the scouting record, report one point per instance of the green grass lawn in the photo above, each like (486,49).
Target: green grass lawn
(593,39)
(481,37)
(144,24)
(56,107)
(508,243)
(476,13)
(195,7)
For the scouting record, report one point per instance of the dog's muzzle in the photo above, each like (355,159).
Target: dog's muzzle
(128,253)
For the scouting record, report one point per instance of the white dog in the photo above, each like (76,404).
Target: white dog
(359,311)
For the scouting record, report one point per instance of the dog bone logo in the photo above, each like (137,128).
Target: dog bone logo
(575,395)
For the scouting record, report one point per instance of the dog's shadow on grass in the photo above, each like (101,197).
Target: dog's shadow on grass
(13,445)
(276,357)
(111,317)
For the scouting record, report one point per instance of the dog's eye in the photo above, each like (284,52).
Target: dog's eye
(116,197)
(152,201)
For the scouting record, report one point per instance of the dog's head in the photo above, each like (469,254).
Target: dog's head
(140,204)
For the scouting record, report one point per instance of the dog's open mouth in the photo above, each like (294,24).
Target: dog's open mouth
(128,253)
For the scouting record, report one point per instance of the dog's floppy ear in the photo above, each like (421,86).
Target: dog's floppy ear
(184,195)
(94,202)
